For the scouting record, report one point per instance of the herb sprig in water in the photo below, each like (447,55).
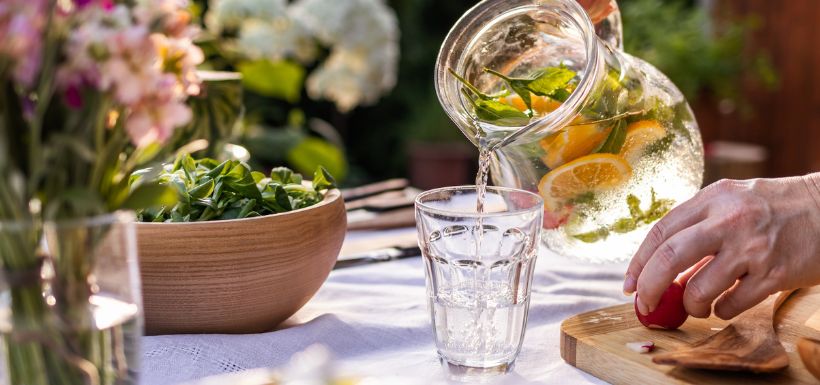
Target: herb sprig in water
(556,83)
(637,216)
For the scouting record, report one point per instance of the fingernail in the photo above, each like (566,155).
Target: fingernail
(642,307)
(629,284)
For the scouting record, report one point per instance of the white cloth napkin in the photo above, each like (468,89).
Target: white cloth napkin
(374,319)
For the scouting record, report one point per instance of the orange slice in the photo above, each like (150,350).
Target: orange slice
(572,143)
(515,101)
(541,105)
(591,173)
(639,135)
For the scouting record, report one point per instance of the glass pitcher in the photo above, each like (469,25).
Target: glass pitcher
(605,138)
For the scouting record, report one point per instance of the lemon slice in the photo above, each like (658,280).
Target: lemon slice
(572,143)
(591,173)
(639,136)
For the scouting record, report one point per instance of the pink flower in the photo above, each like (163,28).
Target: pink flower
(154,118)
(73,98)
(180,57)
(21,29)
(148,71)
(85,3)
(156,122)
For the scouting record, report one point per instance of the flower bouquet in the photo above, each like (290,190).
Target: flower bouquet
(90,90)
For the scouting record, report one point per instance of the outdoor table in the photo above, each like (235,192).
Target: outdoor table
(374,320)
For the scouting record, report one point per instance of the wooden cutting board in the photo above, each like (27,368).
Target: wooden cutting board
(595,343)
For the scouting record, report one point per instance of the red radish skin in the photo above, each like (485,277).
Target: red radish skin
(670,313)
(641,347)
(554,219)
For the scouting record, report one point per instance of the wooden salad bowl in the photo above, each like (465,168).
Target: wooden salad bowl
(237,276)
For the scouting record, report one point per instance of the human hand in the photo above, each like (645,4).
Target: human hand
(739,241)
(598,9)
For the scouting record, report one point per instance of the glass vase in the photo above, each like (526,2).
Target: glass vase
(70,302)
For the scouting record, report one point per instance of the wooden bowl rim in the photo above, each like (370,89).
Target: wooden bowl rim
(330,197)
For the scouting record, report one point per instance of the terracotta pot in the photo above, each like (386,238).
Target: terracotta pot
(435,165)
(237,276)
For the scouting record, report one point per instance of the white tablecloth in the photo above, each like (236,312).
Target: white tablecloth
(374,320)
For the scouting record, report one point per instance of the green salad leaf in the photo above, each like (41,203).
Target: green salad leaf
(210,190)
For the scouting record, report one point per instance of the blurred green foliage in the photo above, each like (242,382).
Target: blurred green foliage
(697,54)
(281,79)
(216,112)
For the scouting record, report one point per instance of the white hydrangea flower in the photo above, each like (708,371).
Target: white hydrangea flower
(233,13)
(364,59)
(362,36)
(352,77)
(276,40)
(357,24)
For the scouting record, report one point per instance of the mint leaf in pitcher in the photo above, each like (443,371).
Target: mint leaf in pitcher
(489,109)
(615,140)
(471,89)
(552,82)
(498,113)
(657,209)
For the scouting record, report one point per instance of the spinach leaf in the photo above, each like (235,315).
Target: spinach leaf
(322,180)
(281,175)
(206,189)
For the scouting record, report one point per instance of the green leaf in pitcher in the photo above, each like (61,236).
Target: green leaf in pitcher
(615,140)
(678,114)
(475,91)
(488,108)
(495,112)
(552,82)
(657,209)
(624,225)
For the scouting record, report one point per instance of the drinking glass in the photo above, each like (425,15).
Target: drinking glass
(478,273)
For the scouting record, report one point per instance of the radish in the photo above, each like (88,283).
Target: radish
(670,313)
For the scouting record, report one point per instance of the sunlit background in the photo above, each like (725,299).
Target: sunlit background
(349,84)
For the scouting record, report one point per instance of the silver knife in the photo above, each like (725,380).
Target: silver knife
(381,255)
